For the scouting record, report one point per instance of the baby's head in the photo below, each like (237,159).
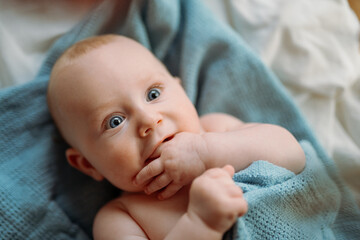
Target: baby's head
(114,103)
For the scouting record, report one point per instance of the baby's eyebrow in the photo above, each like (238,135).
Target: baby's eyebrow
(155,76)
(97,115)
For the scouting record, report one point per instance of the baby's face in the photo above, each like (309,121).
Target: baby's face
(121,103)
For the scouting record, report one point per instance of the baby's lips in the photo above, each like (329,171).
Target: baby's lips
(156,154)
(150,159)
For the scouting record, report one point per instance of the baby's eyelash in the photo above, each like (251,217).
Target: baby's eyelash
(155,86)
(105,123)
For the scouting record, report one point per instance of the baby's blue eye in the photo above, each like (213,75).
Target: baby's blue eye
(153,94)
(115,121)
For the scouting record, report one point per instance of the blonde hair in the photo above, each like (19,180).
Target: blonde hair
(84,46)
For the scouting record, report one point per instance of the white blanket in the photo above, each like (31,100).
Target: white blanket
(28,29)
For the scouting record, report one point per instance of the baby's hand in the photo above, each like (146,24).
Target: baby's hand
(216,200)
(180,162)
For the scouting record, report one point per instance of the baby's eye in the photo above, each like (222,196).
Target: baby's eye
(115,121)
(153,94)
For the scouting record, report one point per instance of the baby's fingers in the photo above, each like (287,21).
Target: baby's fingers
(149,171)
(235,195)
(169,191)
(241,206)
(158,183)
(229,169)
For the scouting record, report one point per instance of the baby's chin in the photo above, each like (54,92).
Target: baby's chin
(133,189)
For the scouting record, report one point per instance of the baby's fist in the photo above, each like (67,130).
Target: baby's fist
(216,200)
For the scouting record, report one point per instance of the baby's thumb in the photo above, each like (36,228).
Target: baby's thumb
(229,169)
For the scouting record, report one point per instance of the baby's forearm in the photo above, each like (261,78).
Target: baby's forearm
(191,227)
(259,142)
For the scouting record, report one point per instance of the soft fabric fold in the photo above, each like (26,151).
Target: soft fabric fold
(40,192)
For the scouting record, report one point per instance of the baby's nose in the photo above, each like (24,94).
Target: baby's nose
(148,122)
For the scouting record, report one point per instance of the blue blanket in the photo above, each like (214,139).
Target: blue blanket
(41,197)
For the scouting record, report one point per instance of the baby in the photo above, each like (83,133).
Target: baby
(129,121)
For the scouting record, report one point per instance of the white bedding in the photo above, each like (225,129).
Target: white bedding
(28,29)
(312,46)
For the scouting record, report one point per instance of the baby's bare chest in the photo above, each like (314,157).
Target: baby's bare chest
(156,217)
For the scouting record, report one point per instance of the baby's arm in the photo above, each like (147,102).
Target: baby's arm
(215,202)
(233,142)
(226,140)
(112,222)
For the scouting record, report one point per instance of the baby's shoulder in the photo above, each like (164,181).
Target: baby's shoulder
(114,206)
(114,219)
(219,122)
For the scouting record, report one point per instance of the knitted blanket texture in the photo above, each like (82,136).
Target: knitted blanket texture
(41,197)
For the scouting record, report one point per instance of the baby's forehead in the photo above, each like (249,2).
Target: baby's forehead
(68,72)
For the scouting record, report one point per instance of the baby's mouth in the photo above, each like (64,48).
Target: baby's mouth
(168,138)
(157,152)
(151,158)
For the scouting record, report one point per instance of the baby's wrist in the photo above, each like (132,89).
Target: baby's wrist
(202,227)
(204,153)
(209,157)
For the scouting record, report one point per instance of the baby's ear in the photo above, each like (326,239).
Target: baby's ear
(78,161)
